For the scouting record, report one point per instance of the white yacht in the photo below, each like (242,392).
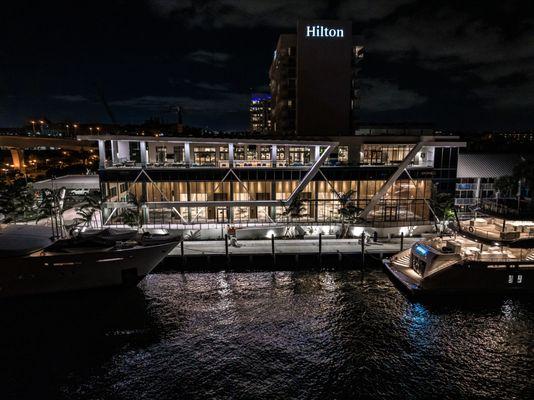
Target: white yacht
(460,264)
(33,263)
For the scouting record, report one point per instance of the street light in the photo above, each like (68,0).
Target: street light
(33,126)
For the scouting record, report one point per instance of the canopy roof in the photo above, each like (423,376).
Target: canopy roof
(69,182)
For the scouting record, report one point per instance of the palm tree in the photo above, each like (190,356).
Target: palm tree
(348,210)
(295,209)
(92,202)
(442,206)
(51,206)
(133,217)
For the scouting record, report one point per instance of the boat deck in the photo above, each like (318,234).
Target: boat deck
(472,250)
(498,229)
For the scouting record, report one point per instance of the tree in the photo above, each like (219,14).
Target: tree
(17,201)
(50,206)
(348,210)
(524,171)
(506,186)
(133,216)
(296,208)
(443,204)
(92,202)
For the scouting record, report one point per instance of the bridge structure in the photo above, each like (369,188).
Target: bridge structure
(17,145)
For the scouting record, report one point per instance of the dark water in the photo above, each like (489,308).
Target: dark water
(283,335)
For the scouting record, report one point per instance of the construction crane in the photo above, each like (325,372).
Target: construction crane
(102,98)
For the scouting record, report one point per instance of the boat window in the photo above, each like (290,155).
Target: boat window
(418,265)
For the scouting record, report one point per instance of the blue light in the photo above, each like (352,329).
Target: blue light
(421,250)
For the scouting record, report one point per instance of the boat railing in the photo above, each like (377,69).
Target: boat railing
(499,257)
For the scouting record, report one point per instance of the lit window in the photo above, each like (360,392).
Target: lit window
(510,279)
(519,278)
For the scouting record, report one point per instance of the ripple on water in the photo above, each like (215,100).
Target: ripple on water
(309,335)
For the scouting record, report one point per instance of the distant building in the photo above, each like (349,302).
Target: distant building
(260,112)
(477,174)
(314,80)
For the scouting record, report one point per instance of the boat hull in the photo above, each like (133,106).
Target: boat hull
(62,272)
(466,278)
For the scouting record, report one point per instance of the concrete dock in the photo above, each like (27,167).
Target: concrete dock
(287,254)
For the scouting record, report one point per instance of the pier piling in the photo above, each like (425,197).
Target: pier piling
(363,254)
(320,248)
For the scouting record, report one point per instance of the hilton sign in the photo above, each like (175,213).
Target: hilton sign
(321,31)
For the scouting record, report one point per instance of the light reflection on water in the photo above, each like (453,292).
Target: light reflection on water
(266,335)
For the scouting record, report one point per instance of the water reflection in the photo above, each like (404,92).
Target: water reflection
(266,335)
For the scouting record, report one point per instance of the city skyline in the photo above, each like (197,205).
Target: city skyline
(456,65)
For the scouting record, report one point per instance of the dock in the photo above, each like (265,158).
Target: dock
(285,254)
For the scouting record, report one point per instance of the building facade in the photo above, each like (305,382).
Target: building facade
(260,112)
(314,80)
(242,181)
(476,177)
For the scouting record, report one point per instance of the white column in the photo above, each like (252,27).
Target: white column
(114,149)
(123,150)
(231,155)
(102,153)
(316,152)
(187,153)
(274,152)
(142,150)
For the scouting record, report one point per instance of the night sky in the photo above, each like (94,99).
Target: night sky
(463,65)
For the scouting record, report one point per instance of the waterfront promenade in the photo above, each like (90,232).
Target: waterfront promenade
(291,246)
(285,254)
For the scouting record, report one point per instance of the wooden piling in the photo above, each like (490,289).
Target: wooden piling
(363,255)
(320,248)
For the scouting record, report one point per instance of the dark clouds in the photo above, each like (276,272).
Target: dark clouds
(379,95)
(214,58)
(465,65)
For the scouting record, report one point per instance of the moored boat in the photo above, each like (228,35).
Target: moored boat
(462,265)
(33,263)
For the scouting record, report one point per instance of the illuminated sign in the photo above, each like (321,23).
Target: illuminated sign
(421,250)
(321,31)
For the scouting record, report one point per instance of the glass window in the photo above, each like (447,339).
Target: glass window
(299,155)
(265,152)
(343,154)
(161,154)
(223,152)
(204,155)
(239,153)
(179,154)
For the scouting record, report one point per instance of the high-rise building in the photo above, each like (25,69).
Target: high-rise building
(314,80)
(260,112)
